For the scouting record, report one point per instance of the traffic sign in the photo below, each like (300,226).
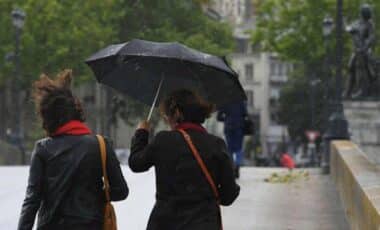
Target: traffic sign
(312,135)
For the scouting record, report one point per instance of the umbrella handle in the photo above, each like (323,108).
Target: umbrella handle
(155,98)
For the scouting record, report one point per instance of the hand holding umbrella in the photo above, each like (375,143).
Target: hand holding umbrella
(144,125)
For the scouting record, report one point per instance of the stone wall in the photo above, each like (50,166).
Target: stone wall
(358,182)
(364,126)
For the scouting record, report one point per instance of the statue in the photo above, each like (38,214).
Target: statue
(362,64)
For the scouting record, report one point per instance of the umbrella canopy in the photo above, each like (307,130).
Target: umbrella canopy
(137,68)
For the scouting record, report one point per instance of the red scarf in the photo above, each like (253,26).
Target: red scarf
(193,126)
(73,127)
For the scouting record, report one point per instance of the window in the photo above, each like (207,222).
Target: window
(273,68)
(275,93)
(283,71)
(277,69)
(242,45)
(273,102)
(274,118)
(279,73)
(250,99)
(249,72)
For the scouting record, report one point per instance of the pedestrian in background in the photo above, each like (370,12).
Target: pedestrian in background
(185,198)
(234,116)
(287,161)
(65,179)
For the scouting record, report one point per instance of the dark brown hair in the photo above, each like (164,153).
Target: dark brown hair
(192,107)
(55,102)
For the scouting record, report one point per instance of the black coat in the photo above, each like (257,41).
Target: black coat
(65,183)
(233,116)
(184,199)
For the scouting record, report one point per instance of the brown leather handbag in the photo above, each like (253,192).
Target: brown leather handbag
(109,211)
(205,171)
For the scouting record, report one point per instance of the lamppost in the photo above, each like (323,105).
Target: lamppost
(18,20)
(337,124)
(327,29)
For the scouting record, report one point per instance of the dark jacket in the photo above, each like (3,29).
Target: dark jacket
(233,115)
(184,199)
(65,183)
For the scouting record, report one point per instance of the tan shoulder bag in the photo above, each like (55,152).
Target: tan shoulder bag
(109,211)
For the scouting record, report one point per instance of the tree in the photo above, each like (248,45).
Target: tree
(293,29)
(181,21)
(62,34)
(56,35)
(295,107)
(59,34)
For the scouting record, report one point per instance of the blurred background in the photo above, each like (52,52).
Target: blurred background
(283,52)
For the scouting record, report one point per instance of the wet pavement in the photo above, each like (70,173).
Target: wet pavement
(303,205)
(311,204)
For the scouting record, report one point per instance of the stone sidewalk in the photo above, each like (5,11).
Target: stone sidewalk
(303,205)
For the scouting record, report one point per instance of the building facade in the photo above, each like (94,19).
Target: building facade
(261,74)
(236,12)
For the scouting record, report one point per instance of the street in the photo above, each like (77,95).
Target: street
(302,205)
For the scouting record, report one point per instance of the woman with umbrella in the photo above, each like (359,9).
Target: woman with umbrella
(189,190)
(194,172)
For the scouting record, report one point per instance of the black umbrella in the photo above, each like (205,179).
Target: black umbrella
(147,71)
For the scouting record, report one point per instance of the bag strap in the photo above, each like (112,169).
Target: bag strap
(201,163)
(103,154)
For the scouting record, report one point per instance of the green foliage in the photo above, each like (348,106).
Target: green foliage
(296,108)
(293,29)
(59,34)
(181,21)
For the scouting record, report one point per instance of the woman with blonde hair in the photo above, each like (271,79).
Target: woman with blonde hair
(65,182)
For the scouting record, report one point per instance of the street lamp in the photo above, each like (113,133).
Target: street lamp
(327,29)
(327,26)
(18,20)
(337,124)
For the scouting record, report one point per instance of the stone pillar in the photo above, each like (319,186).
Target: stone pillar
(364,126)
